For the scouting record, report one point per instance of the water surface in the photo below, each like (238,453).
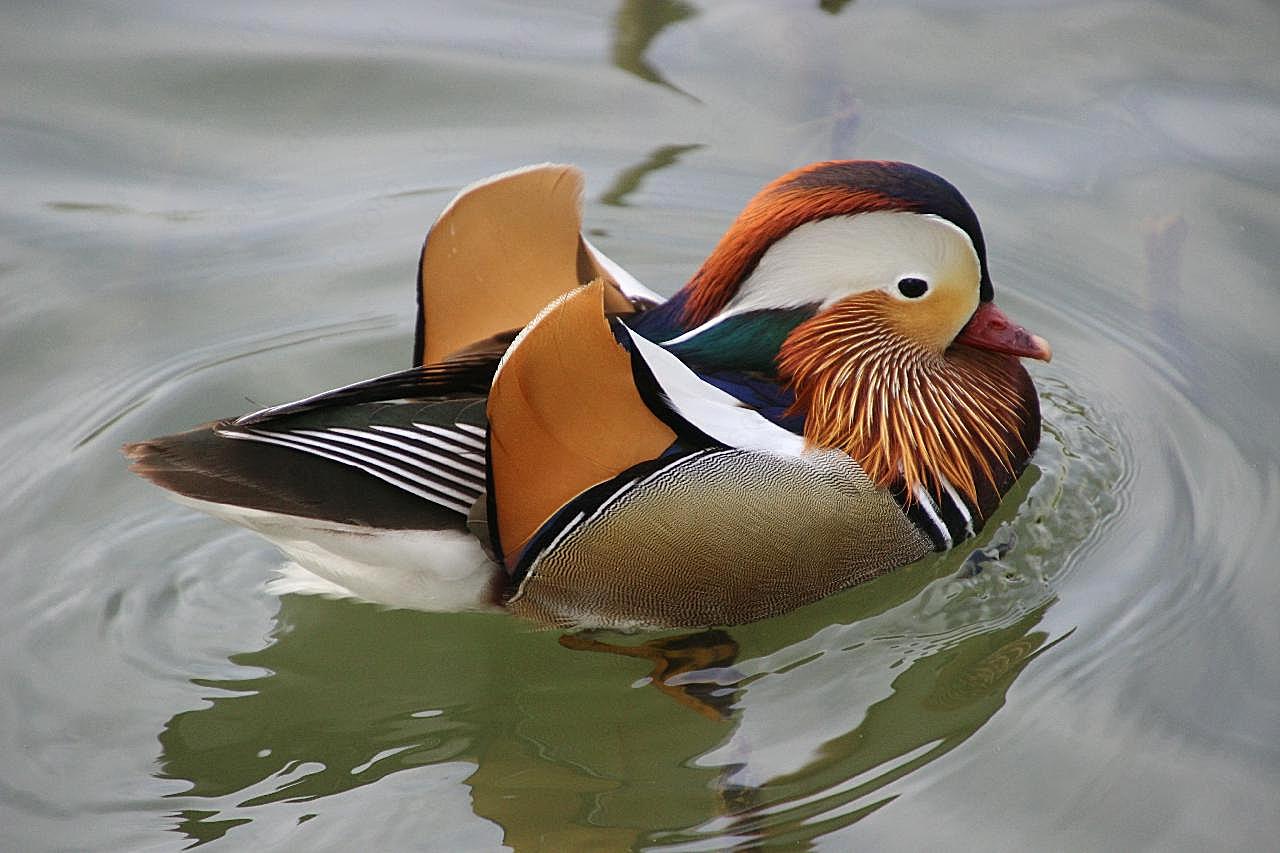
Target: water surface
(213,207)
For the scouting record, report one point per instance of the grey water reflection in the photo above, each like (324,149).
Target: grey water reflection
(937,703)
(1164,242)
(628,180)
(321,719)
(636,25)
(833,7)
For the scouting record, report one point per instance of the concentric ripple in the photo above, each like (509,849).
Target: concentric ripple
(824,724)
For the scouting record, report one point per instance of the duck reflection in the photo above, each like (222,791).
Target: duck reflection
(935,704)
(785,728)
(833,7)
(636,25)
(629,179)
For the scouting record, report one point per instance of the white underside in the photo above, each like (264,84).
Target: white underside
(442,570)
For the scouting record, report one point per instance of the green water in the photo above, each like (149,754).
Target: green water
(213,206)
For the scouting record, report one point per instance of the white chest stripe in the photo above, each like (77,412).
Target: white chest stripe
(960,505)
(931,509)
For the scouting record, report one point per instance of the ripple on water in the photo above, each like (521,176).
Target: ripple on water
(826,723)
(876,683)
(946,651)
(1132,468)
(170,615)
(109,645)
(132,391)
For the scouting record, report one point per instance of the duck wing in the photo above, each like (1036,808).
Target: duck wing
(406,450)
(402,451)
(504,248)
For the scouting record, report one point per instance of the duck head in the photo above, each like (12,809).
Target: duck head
(866,284)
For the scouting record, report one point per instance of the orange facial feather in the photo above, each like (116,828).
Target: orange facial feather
(902,410)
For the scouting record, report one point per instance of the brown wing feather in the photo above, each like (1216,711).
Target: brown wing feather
(498,254)
(564,415)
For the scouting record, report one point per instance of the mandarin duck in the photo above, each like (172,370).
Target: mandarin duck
(833,394)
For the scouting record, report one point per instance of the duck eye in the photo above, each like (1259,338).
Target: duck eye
(913,288)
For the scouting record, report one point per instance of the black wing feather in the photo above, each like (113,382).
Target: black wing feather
(401,451)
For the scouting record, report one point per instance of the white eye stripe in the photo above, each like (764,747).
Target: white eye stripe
(823,261)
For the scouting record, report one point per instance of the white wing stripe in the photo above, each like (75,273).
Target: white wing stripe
(369,460)
(452,435)
(474,430)
(456,506)
(475,473)
(432,441)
